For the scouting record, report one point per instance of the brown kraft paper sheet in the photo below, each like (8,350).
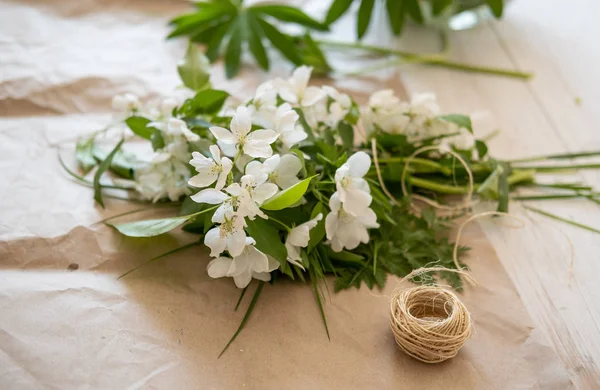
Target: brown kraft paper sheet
(164,326)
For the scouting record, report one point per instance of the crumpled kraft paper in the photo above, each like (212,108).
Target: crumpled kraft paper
(164,326)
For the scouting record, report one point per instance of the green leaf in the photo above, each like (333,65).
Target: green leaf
(364,17)
(122,164)
(154,227)
(482,149)
(234,51)
(194,69)
(318,232)
(280,41)
(312,55)
(189,23)
(246,316)
(438,6)
(345,256)
(414,10)
(337,9)
(288,197)
(206,102)
(84,154)
(497,7)
(460,120)
(268,241)
(104,165)
(152,260)
(503,188)
(319,303)
(213,46)
(290,14)
(138,125)
(395,10)
(157,140)
(347,135)
(255,42)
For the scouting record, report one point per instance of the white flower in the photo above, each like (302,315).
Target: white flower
(126,103)
(255,143)
(297,91)
(297,238)
(462,141)
(345,230)
(250,263)
(258,192)
(386,112)
(285,123)
(282,171)
(176,127)
(338,108)
(164,179)
(243,200)
(210,169)
(264,104)
(353,190)
(229,235)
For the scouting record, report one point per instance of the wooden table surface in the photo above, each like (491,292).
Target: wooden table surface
(557,111)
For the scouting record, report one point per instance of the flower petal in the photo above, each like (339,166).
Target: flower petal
(262,136)
(210,196)
(203,179)
(213,240)
(236,242)
(263,192)
(357,202)
(241,123)
(331,224)
(243,280)
(359,164)
(258,149)
(264,276)
(223,135)
(312,95)
(219,267)
(215,152)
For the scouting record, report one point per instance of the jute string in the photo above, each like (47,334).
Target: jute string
(430,323)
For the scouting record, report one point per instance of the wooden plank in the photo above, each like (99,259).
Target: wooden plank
(536,118)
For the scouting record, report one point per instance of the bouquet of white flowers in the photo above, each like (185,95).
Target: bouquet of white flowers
(278,186)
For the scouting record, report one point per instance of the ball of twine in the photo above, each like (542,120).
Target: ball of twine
(429,323)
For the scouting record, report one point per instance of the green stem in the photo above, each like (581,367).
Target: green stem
(434,60)
(556,157)
(555,168)
(418,161)
(561,219)
(281,223)
(438,187)
(556,196)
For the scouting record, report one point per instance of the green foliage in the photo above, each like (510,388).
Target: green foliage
(139,126)
(194,70)
(104,165)
(460,120)
(288,197)
(206,102)
(218,21)
(399,10)
(84,154)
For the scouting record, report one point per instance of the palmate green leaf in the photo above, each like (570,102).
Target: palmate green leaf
(312,55)
(396,10)
(234,50)
(84,155)
(290,14)
(438,6)
(414,10)
(364,17)
(194,69)
(497,7)
(289,196)
(154,227)
(104,165)
(281,42)
(190,23)
(213,46)
(255,35)
(460,120)
(337,9)
(139,126)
